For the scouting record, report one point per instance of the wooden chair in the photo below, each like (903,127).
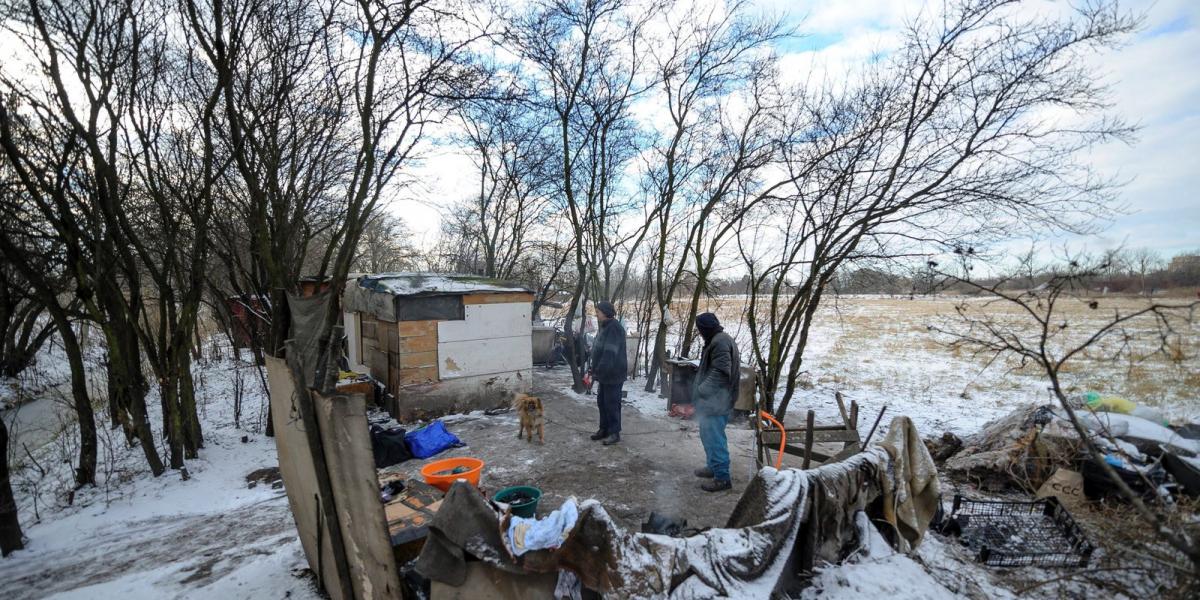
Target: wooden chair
(803,441)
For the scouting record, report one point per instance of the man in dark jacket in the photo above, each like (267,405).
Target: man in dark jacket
(609,368)
(713,394)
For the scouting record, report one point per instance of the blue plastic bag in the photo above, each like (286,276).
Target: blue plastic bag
(430,440)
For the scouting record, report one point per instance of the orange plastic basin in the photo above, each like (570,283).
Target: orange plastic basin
(442,482)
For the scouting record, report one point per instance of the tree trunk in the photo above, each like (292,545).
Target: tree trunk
(85,471)
(10,526)
(658,357)
(193,435)
(577,340)
(130,387)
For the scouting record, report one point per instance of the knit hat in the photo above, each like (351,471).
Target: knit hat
(607,308)
(707,321)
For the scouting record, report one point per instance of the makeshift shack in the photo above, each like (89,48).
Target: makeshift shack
(440,343)
(249,319)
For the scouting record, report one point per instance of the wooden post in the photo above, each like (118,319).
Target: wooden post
(842,408)
(808,440)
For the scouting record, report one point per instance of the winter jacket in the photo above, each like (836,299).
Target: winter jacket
(716,384)
(609,364)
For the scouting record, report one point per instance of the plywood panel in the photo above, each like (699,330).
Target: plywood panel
(484,357)
(299,474)
(393,339)
(354,342)
(418,359)
(485,321)
(369,325)
(377,362)
(429,308)
(418,375)
(347,445)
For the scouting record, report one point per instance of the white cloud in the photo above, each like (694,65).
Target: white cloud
(1155,81)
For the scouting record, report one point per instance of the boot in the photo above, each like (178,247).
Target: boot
(703,473)
(599,435)
(612,439)
(716,485)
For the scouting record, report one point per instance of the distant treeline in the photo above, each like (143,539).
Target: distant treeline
(1127,271)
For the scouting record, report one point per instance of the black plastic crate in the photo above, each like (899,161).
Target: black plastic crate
(1016,534)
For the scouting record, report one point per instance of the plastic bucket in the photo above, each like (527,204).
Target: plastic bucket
(526,508)
(443,482)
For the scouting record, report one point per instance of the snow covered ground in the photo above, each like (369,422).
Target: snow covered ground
(211,535)
(214,535)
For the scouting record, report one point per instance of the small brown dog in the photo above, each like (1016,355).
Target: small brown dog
(530,410)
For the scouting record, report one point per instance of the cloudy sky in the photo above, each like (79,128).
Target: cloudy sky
(1155,81)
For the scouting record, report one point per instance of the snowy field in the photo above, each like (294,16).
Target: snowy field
(880,351)
(214,534)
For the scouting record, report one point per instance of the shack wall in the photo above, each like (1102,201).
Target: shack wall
(459,395)
(435,367)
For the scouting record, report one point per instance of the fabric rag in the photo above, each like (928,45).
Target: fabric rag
(525,534)
(912,496)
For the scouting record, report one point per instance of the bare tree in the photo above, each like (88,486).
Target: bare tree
(39,262)
(22,325)
(321,131)
(76,176)
(11,538)
(711,149)
(514,160)
(585,57)
(1142,262)
(286,119)
(937,145)
(385,245)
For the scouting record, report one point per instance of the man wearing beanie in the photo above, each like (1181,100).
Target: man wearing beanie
(714,391)
(609,367)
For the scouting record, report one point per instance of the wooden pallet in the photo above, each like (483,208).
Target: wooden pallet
(814,444)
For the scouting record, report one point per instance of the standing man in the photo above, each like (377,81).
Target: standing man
(714,391)
(609,368)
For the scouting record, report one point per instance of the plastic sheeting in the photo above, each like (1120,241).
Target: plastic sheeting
(431,440)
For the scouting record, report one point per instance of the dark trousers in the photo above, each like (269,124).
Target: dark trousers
(608,400)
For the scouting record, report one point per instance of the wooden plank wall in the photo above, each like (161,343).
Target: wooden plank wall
(297,467)
(399,353)
(417,352)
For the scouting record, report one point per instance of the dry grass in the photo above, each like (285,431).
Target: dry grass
(864,330)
